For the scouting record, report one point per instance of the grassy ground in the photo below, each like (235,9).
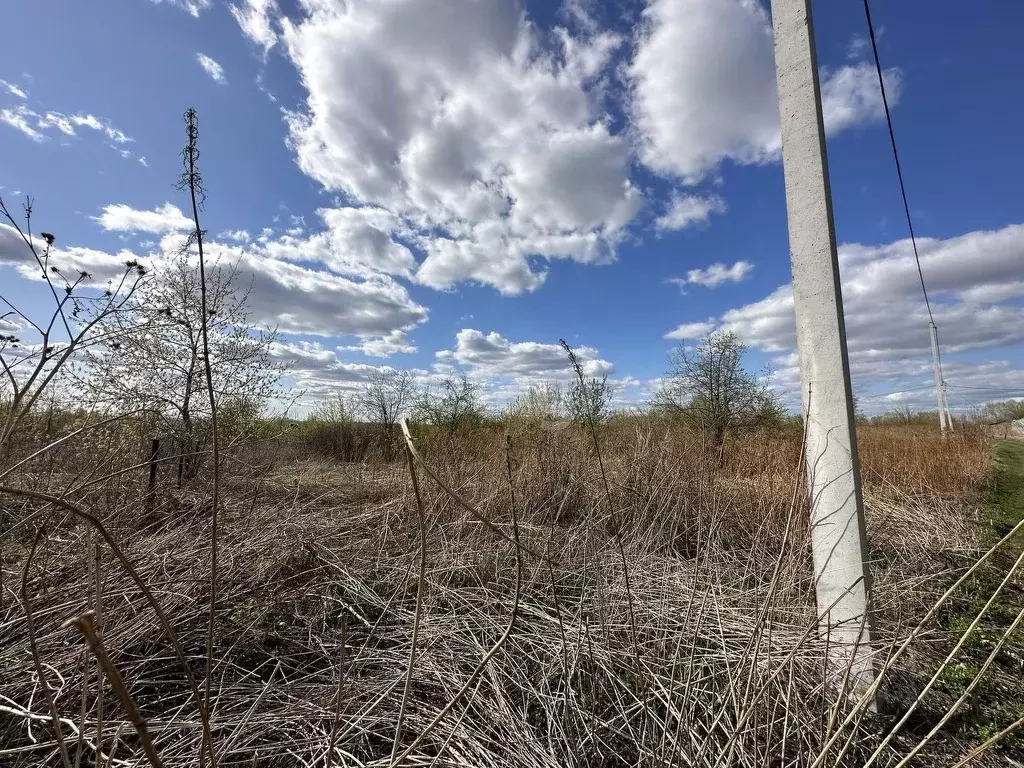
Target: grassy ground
(999,699)
(1006,506)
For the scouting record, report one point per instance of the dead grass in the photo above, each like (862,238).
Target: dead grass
(726,668)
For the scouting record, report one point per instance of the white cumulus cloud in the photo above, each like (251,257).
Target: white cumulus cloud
(162,220)
(690,331)
(492,354)
(488,140)
(714,275)
(686,210)
(703,87)
(973,281)
(290,290)
(383,346)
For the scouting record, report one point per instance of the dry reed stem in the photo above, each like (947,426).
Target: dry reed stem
(30,624)
(84,625)
(421,578)
(126,564)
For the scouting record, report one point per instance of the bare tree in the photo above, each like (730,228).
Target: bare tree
(709,385)
(337,408)
(37,349)
(386,396)
(454,406)
(155,357)
(1001,411)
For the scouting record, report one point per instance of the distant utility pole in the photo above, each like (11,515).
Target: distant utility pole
(945,422)
(838,541)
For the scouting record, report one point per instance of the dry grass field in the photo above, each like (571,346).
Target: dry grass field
(664,618)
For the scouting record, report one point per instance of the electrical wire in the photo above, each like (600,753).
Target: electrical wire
(897,392)
(896,158)
(987,389)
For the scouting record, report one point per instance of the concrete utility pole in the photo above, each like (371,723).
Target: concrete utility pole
(837,510)
(940,385)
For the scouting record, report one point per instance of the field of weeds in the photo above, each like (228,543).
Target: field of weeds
(540,611)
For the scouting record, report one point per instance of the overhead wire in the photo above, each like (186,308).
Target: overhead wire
(987,389)
(897,392)
(896,158)
(941,390)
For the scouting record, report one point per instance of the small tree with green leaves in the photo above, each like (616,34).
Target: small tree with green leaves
(539,404)
(1004,410)
(589,399)
(708,385)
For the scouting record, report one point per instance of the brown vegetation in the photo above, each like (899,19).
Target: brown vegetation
(321,593)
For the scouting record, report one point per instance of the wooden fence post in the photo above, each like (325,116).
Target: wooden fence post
(154,457)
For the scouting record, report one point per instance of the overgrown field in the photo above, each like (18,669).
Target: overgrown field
(657,612)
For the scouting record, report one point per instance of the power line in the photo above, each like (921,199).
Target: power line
(1009,391)
(987,389)
(897,392)
(896,158)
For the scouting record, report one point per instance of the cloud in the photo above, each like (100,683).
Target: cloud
(96,124)
(684,210)
(312,361)
(297,299)
(383,346)
(975,287)
(21,118)
(319,374)
(13,90)
(850,95)
(70,260)
(860,45)
(492,354)
(192,7)
(857,46)
(488,141)
(255,17)
(714,275)
(160,221)
(507,369)
(292,297)
(212,68)
(703,87)
(36,125)
(689,331)
(361,242)
(238,235)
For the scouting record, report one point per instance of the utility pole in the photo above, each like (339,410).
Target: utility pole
(940,385)
(838,540)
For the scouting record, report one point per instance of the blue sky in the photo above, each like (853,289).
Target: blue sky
(455,184)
